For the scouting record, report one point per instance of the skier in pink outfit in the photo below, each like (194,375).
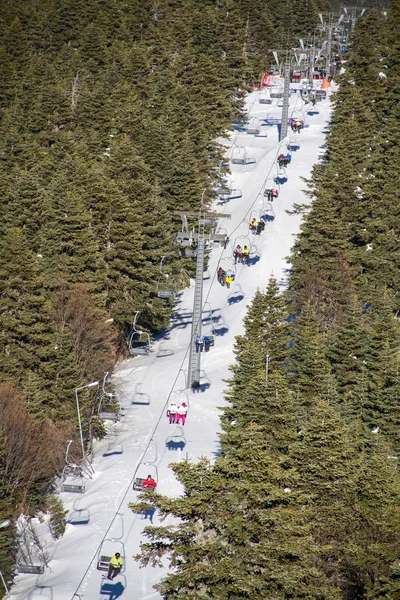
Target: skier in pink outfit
(182,412)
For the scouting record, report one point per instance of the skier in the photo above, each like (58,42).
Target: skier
(237,254)
(298,126)
(281,160)
(199,343)
(207,343)
(230,276)
(182,412)
(288,159)
(260,227)
(253,226)
(172,412)
(268,195)
(221,276)
(115,566)
(274,194)
(149,483)
(245,254)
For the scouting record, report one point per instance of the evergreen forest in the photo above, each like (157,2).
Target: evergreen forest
(109,112)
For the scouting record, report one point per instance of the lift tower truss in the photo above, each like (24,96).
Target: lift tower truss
(205,220)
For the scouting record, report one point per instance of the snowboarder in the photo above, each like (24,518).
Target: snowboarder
(115,566)
(199,343)
(221,276)
(237,254)
(182,412)
(253,225)
(260,227)
(172,412)
(149,483)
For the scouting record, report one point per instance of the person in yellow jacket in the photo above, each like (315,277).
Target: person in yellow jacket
(115,566)
(245,254)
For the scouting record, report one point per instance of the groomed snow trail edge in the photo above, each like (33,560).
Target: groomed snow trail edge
(144,435)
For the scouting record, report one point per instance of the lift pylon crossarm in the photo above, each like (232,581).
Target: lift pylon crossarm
(203,215)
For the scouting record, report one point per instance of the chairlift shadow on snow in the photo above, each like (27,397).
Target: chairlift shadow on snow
(140,398)
(113,449)
(112,590)
(79,516)
(163,352)
(252,260)
(148,513)
(268,218)
(236,295)
(41,592)
(221,331)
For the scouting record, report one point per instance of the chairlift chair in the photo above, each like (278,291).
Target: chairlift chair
(240,156)
(242,241)
(142,473)
(166,288)
(265,98)
(30,569)
(72,479)
(277,95)
(253,127)
(107,550)
(109,409)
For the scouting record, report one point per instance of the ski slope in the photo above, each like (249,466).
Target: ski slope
(145,383)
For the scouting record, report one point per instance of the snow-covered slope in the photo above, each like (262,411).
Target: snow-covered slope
(145,383)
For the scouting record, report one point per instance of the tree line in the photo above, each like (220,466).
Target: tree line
(303,500)
(109,112)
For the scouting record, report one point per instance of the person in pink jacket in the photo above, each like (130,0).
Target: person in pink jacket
(182,412)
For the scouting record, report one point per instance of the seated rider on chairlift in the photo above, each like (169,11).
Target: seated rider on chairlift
(245,254)
(281,160)
(288,158)
(253,225)
(260,227)
(221,276)
(149,483)
(237,254)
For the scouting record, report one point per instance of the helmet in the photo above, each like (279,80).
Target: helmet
(148,476)
(183,403)
(238,246)
(117,554)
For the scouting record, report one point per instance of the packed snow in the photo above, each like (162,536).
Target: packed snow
(99,520)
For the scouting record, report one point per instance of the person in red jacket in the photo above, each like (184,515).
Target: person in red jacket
(149,483)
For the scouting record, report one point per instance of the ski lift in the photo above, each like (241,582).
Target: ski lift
(240,156)
(72,479)
(108,548)
(139,341)
(109,409)
(143,471)
(166,288)
(253,126)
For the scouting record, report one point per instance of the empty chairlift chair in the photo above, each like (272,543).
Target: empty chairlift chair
(72,479)
(109,409)
(240,156)
(253,126)
(166,284)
